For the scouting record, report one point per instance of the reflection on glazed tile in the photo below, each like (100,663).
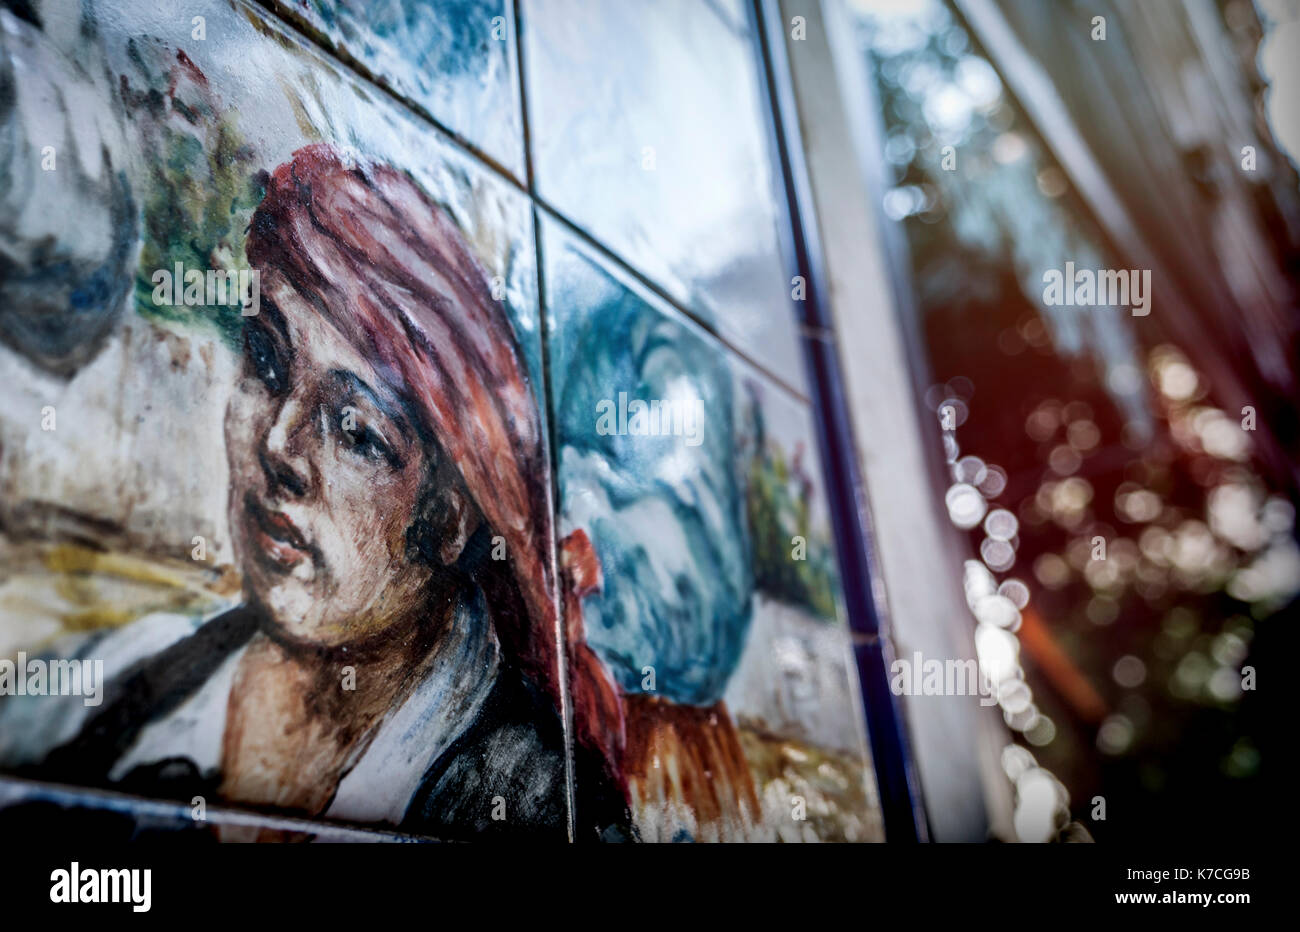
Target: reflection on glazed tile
(305,518)
(454,58)
(664,103)
(28,808)
(708,656)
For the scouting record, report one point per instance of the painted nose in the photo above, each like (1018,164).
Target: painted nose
(282,452)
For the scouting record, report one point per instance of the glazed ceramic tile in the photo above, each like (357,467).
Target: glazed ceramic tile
(276,507)
(663,102)
(454,59)
(709,662)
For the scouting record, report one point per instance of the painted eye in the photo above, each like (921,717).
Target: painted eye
(362,439)
(264,359)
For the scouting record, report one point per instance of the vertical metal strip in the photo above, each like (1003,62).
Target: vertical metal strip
(845,492)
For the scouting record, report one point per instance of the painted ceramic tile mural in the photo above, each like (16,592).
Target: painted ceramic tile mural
(280,558)
(291,527)
(453,58)
(708,660)
(663,101)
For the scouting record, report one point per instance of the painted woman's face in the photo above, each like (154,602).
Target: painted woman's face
(325,472)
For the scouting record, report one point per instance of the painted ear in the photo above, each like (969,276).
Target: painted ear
(579,563)
(442,527)
(460,520)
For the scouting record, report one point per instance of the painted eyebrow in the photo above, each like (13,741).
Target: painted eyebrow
(359,386)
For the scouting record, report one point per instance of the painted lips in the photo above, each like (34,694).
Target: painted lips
(276,536)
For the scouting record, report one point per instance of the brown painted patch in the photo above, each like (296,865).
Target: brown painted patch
(679,755)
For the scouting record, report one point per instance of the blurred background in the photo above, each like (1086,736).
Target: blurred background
(1121,489)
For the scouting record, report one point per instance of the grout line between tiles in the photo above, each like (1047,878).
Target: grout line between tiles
(283,16)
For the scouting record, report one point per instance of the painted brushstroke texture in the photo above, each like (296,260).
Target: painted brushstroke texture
(68,224)
(735,713)
(354,451)
(454,58)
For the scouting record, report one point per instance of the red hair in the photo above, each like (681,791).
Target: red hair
(390,270)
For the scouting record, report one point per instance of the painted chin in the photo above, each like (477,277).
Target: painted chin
(301,634)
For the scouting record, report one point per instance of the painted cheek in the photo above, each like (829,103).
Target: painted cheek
(242,427)
(365,527)
(399,520)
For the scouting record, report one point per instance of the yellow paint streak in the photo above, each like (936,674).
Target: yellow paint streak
(71,558)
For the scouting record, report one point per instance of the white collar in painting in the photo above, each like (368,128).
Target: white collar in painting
(379,786)
(385,770)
